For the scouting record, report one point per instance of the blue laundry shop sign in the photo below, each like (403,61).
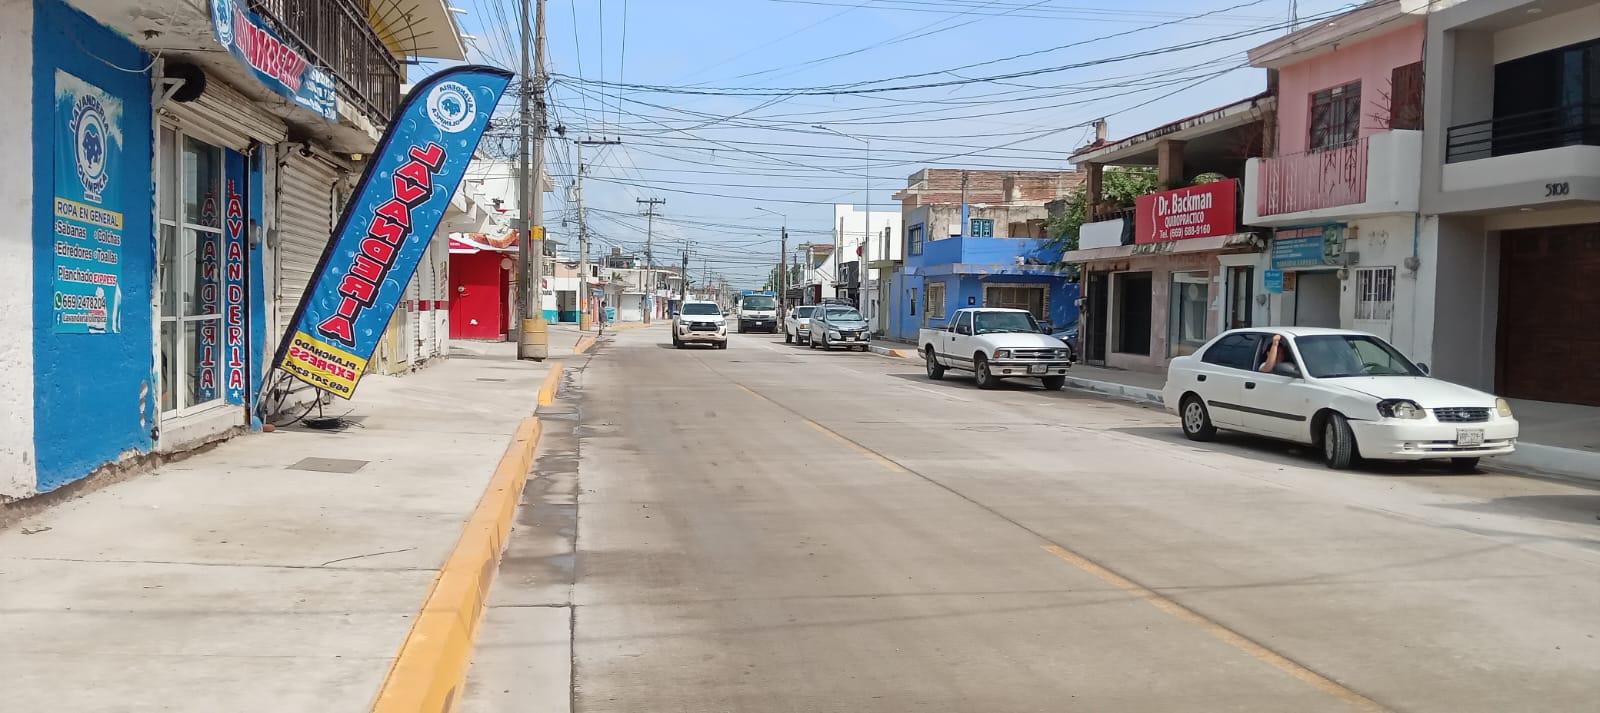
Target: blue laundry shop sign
(385,228)
(1272,281)
(88,209)
(1307,247)
(273,61)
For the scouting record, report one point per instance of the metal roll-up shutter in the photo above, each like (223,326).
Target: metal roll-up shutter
(441,292)
(224,117)
(305,223)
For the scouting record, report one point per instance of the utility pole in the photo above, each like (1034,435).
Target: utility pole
(683,282)
(533,338)
(649,259)
(583,232)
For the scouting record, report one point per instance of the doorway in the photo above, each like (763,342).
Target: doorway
(1131,312)
(1547,343)
(1241,296)
(1092,335)
(1316,299)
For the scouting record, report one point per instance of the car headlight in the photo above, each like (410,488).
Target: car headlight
(1503,407)
(1401,408)
(1002,353)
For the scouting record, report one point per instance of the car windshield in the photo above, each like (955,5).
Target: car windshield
(844,315)
(760,302)
(803,312)
(1330,356)
(995,322)
(702,308)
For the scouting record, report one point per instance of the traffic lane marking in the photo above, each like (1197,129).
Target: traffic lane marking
(1217,630)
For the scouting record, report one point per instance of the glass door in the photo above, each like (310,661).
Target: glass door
(190,255)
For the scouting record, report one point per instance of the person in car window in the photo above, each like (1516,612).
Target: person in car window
(1277,353)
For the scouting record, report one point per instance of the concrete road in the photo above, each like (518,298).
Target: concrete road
(769,528)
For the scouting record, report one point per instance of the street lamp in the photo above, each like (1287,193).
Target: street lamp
(866,231)
(783,259)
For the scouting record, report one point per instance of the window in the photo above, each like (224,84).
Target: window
(914,239)
(912,303)
(1235,351)
(1375,293)
(1339,355)
(1186,315)
(1241,286)
(1025,297)
(1405,97)
(933,308)
(964,322)
(982,227)
(1545,100)
(189,260)
(1335,117)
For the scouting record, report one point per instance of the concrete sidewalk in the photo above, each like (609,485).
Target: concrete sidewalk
(250,578)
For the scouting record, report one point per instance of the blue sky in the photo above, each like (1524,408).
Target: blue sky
(714,100)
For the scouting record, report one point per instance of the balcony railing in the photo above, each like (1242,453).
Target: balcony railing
(1574,125)
(1314,180)
(335,35)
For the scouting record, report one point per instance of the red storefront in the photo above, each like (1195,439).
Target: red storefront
(480,287)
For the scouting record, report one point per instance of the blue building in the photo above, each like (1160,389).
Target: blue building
(942,276)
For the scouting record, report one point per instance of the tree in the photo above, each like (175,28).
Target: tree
(1119,186)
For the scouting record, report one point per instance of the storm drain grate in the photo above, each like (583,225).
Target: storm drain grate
(329,465)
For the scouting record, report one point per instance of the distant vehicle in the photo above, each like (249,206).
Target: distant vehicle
(838,326)
(1350,394)
(700,321)
(758,311)
(995,343)
(797,324)
(1069,336)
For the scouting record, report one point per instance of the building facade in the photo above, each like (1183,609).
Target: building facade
(181,166)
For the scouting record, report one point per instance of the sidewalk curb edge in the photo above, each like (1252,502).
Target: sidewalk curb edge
(431,668)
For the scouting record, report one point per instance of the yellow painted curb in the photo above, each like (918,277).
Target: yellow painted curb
(552,380)
(583,345)
(428,674)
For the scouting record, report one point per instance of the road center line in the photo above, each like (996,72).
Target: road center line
(1162,603)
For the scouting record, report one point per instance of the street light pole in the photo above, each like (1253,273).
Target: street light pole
(783,260)
(866,231)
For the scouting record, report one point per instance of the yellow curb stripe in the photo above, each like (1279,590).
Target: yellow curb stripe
(552,380)
(583,345)
(428,674)
(1218,631)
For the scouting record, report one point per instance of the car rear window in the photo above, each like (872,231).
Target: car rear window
(1235,350)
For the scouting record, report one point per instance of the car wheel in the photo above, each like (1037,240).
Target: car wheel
(811,342)
(1464,465)
(787,337)
(1338,443)
(986,378)
(1054,383)
(1197,424)
(722,344)
(935,369)
(676,342)
(861,348)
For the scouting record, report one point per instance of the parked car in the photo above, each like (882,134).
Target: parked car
(1069,336)
(838,326)
(995,343)
(700,321)
(1350,394)
(797,324)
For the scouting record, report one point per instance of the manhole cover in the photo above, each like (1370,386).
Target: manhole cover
(329,465)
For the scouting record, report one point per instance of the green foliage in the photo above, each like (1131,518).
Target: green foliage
(1119,186)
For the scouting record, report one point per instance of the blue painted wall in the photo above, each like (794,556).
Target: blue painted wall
(260,350)
(95,395)
(965,266)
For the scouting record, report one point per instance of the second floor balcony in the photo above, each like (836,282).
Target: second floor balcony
(337,36)
(1373,175)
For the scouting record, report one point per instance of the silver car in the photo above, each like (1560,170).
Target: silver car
(838,326)
(797,324)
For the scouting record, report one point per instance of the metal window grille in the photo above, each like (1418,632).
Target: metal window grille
(1335,116)
(336,35)
(1375,293)
(933,309)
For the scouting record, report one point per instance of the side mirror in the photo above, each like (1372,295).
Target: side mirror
(1287,369)
(962,329)
(1424,367)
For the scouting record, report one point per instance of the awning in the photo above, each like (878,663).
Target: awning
(1240,242)
(473,243)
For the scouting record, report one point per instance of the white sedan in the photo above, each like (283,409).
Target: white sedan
(1348,393)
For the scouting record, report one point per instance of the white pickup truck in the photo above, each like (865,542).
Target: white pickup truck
(994,344)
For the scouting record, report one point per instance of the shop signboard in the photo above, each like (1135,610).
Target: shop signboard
(385,228)
(1308,247)
(233,286)
(87,287)
(1272,281)
(274,62)
(1203,211)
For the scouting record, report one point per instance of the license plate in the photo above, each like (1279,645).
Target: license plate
(1469,436)
(1038,369)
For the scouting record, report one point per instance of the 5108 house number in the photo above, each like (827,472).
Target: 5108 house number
(1557,189)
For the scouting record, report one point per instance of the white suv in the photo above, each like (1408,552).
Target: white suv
(700,322)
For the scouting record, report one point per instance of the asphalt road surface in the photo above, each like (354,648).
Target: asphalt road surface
(769,528)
